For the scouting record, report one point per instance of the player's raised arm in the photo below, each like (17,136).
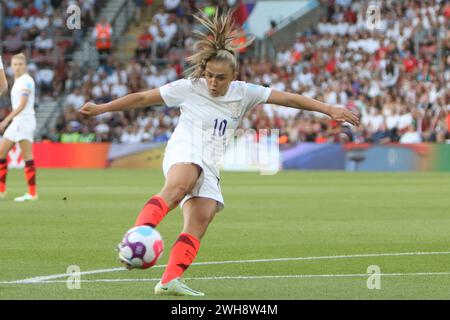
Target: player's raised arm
(298,101)
(127,102)
(3,81)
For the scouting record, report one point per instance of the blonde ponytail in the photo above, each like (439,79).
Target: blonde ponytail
(216,44)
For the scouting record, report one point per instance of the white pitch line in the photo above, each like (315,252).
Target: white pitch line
(297,276)
(64,275)
(368,255)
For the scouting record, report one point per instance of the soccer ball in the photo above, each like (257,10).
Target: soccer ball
(141,247)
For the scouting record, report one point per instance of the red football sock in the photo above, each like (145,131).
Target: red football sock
(153,212)
(181,256)
(30,176)
(3,173)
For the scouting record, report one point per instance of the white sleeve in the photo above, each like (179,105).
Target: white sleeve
(26,85)
(255,94)
(174,93)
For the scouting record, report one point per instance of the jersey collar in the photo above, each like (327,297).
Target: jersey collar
(233,93)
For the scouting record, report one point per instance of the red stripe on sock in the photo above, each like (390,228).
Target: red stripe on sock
(30,176)
(181,257)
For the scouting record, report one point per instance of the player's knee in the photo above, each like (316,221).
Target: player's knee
(181,190)
(177,192)
(3,152)
(27,157)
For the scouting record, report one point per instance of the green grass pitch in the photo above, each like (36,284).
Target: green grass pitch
(288,215)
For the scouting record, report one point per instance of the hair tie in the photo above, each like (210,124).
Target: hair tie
(225,49)
(230,51)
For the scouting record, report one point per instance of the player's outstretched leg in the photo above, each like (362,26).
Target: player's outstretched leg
(181,178)
(30,172)
(198,214)
(5,146)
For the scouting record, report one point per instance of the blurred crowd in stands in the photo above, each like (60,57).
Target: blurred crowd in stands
(394,74)
(391,71)
(158,59)
(38,29)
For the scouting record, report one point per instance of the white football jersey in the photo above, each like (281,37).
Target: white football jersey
(207,123)
(24,85)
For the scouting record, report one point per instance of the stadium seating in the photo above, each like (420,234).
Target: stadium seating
(396,76)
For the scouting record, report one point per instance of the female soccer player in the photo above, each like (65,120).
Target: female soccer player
(20,125)
(212,104)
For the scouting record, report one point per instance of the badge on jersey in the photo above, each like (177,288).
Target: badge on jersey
(235,108)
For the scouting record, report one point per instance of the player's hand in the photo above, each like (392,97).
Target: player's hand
(3,126)
(345,115)
(91,109)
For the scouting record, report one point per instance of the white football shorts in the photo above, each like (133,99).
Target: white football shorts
(21,129)
(208,184)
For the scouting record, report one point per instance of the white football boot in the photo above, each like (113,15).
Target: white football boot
(26,197)
(176,287)
(2,195)
(127,263)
